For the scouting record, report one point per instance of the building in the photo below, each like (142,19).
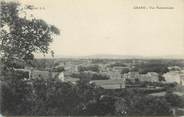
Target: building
(149,77)
(174,76)
(132,76)
(61,76)
(114,74)
(182,79)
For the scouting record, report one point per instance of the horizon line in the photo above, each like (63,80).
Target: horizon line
(115,56)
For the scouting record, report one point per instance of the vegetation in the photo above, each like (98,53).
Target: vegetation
(22,95)
(94,68)
(21,36)
(125,70)
(174,100)
(58,69)
(118,64)
(53,97)
(90,76)
(151,67)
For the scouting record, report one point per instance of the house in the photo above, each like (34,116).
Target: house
(182,79)
(174,76)
(114,74)
(149,77)
(132,76)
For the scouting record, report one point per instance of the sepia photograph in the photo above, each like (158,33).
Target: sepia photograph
(92,58)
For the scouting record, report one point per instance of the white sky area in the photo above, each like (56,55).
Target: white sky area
(90,27)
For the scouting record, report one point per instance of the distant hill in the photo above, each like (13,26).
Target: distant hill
(113,56)
(116,56)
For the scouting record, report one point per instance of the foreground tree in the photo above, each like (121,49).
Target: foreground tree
(22,35)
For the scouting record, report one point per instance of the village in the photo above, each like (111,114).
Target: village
(108,75)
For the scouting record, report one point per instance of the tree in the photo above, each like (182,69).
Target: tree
(94,68)
(148,105)
(125,70)
(52,53)
(21,36)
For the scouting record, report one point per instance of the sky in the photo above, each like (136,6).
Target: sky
(92,27)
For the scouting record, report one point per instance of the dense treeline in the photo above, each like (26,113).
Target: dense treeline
(151,67)
(94,68)
(118,64)
(90,76)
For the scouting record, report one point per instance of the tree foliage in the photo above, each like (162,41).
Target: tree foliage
(16,94)
(90,76)
(151,67)
(22,36)
(41,97)
(125,70)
